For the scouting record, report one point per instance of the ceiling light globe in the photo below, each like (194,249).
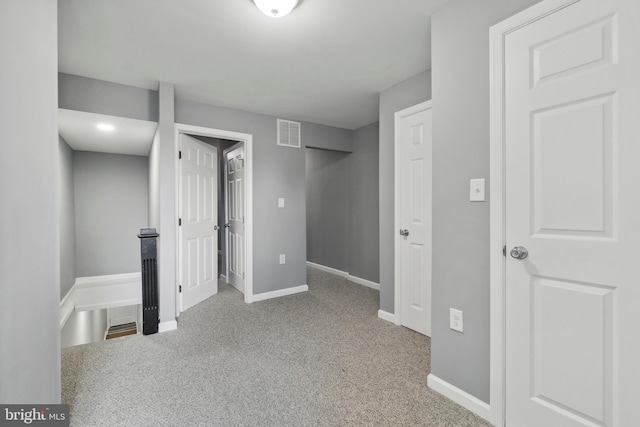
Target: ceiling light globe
(276,8)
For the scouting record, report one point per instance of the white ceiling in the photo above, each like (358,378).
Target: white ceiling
(326,62)
(129,136)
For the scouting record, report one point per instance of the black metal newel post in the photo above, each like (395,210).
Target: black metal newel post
(148,251)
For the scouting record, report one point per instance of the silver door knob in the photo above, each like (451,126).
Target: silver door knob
(404,232)
(519,252)
(216,228)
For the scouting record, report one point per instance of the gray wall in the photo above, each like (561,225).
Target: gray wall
(67,220)
(327,196)
(364,231)
(84,327)
(154,182)
(342,206)
(100,97)
(403,95)
(460,58)
(111,197)
(29,203)
(277,172)
(167,158)
(326,137)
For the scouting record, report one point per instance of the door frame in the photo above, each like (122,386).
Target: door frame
(399,115)
(497,214)
(247,139)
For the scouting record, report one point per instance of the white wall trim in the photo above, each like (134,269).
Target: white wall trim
(248,247)
(461,397)
(346,275)
(497,221)
(111,304)
(328,269)
(364,282)
(108,291)
(389,317)
(171,325)
(399,115)
(107,280)
(67,305)
(280,293)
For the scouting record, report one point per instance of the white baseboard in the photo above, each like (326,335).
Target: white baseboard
(279,293)
(115,290)
(385,315)
(346,275)
(171,325)
(328,269)
(364,282)
(461,397)
(67,305)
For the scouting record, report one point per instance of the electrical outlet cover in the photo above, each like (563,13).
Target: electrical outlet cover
(455,320)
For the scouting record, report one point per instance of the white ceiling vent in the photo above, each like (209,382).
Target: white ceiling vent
(288,133)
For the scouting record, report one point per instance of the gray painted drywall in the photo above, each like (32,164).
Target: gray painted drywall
(84,327)
(29,203)
(167,220)
(327,205)
(112,99)
(277,172)
(325,137)
(67,220)
(460,58)
(111,199)
(364,231)
(154,182)
(403,95)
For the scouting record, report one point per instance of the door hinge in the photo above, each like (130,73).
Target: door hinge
(180,154)
(504,250)
(180,288)
(179,222)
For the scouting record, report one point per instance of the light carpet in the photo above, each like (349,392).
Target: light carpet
(320,358)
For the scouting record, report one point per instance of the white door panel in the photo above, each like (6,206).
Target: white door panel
(198,211)
(572,149)
(235,176)
(414,162)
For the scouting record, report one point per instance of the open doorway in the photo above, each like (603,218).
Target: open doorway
(220,141)
(234,179)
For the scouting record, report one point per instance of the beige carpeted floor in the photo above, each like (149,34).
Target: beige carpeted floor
(321,358)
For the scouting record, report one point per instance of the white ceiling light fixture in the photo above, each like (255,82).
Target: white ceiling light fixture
(276,8)
(105,127)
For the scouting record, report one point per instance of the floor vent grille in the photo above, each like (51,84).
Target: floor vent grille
(122,330)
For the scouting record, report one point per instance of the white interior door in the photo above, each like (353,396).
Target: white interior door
(235,178)
(198,217)
(413,163)
(572,97)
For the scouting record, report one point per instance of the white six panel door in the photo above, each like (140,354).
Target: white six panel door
(572,199)
(199,214)
(235,161)
(415,217)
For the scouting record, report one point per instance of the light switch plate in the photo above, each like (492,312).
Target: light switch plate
(283,259)
(281,202)
(476,190)
(455,319)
